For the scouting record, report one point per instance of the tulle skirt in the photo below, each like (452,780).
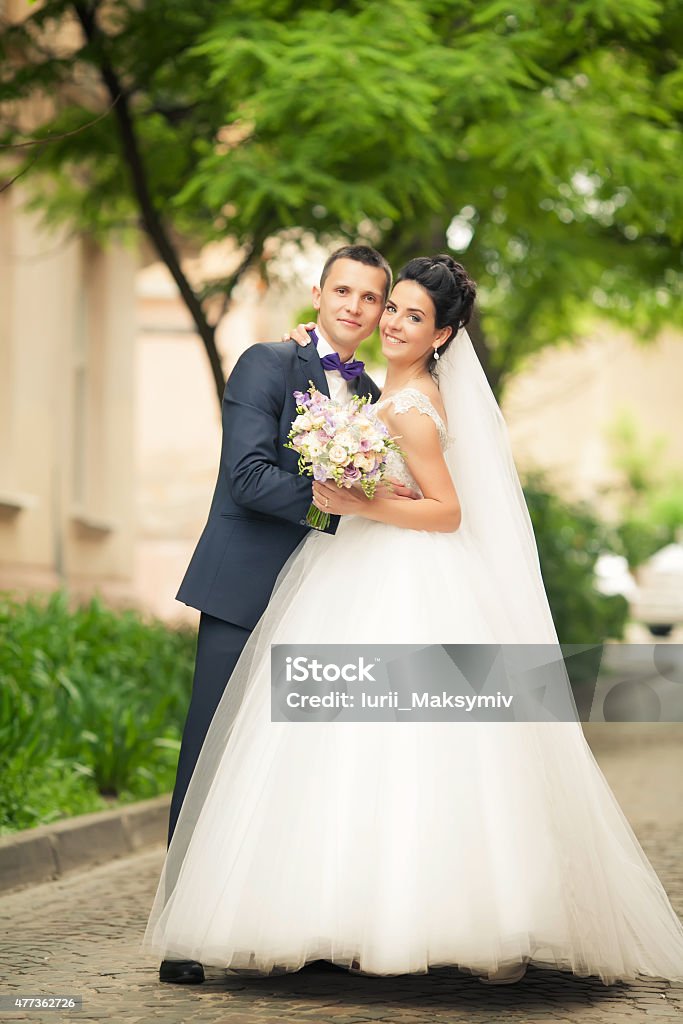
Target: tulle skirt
(396,846)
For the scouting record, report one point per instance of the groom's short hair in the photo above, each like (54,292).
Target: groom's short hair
(361,254)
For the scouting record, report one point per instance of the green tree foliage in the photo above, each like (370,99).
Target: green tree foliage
(541,142)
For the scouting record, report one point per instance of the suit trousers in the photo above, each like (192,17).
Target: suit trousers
(219,645)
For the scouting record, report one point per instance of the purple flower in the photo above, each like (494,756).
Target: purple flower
(319,473)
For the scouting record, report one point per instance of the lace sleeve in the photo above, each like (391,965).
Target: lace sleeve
(412,398)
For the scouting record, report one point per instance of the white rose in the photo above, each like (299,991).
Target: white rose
(364,461)
(302,422)
(337,455)
(348,441)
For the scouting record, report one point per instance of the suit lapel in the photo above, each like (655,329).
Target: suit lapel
(311,366)
(364,385)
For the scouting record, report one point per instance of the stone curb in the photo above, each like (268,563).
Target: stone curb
(48,852)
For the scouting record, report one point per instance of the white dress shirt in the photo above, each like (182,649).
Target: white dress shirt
(340,389)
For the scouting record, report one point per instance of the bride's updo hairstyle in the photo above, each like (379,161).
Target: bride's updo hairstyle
(450,288)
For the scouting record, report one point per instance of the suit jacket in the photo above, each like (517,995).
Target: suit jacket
(258,512)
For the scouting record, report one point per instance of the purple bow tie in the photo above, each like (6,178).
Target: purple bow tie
(349,370)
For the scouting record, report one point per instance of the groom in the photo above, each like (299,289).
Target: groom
(258,512)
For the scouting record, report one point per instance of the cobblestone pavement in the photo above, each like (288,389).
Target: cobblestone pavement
(80,936)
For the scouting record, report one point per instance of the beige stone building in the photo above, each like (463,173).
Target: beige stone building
(67,474)
(562,408)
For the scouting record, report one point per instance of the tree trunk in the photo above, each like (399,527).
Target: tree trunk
(152,222)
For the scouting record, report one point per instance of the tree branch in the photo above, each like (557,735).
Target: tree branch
(151,219)
(229,283)
(62,135)
(7,184)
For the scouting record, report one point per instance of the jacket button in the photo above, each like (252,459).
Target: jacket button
(302,522)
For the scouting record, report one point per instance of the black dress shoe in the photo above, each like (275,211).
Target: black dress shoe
(325,965)
(181,972)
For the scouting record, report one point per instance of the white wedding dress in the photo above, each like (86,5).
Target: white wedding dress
(397,846)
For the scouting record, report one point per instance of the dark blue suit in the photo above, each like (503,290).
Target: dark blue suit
(256,520)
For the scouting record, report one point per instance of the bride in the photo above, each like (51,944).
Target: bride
(390,847)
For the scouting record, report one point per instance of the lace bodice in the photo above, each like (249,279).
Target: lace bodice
(411,398)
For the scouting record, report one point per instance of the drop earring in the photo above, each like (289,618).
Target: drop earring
(436,354)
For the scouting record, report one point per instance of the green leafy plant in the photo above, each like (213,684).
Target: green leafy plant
(648,495)
(570,537)
(92,704)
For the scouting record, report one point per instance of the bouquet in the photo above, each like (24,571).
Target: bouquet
(338,441)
